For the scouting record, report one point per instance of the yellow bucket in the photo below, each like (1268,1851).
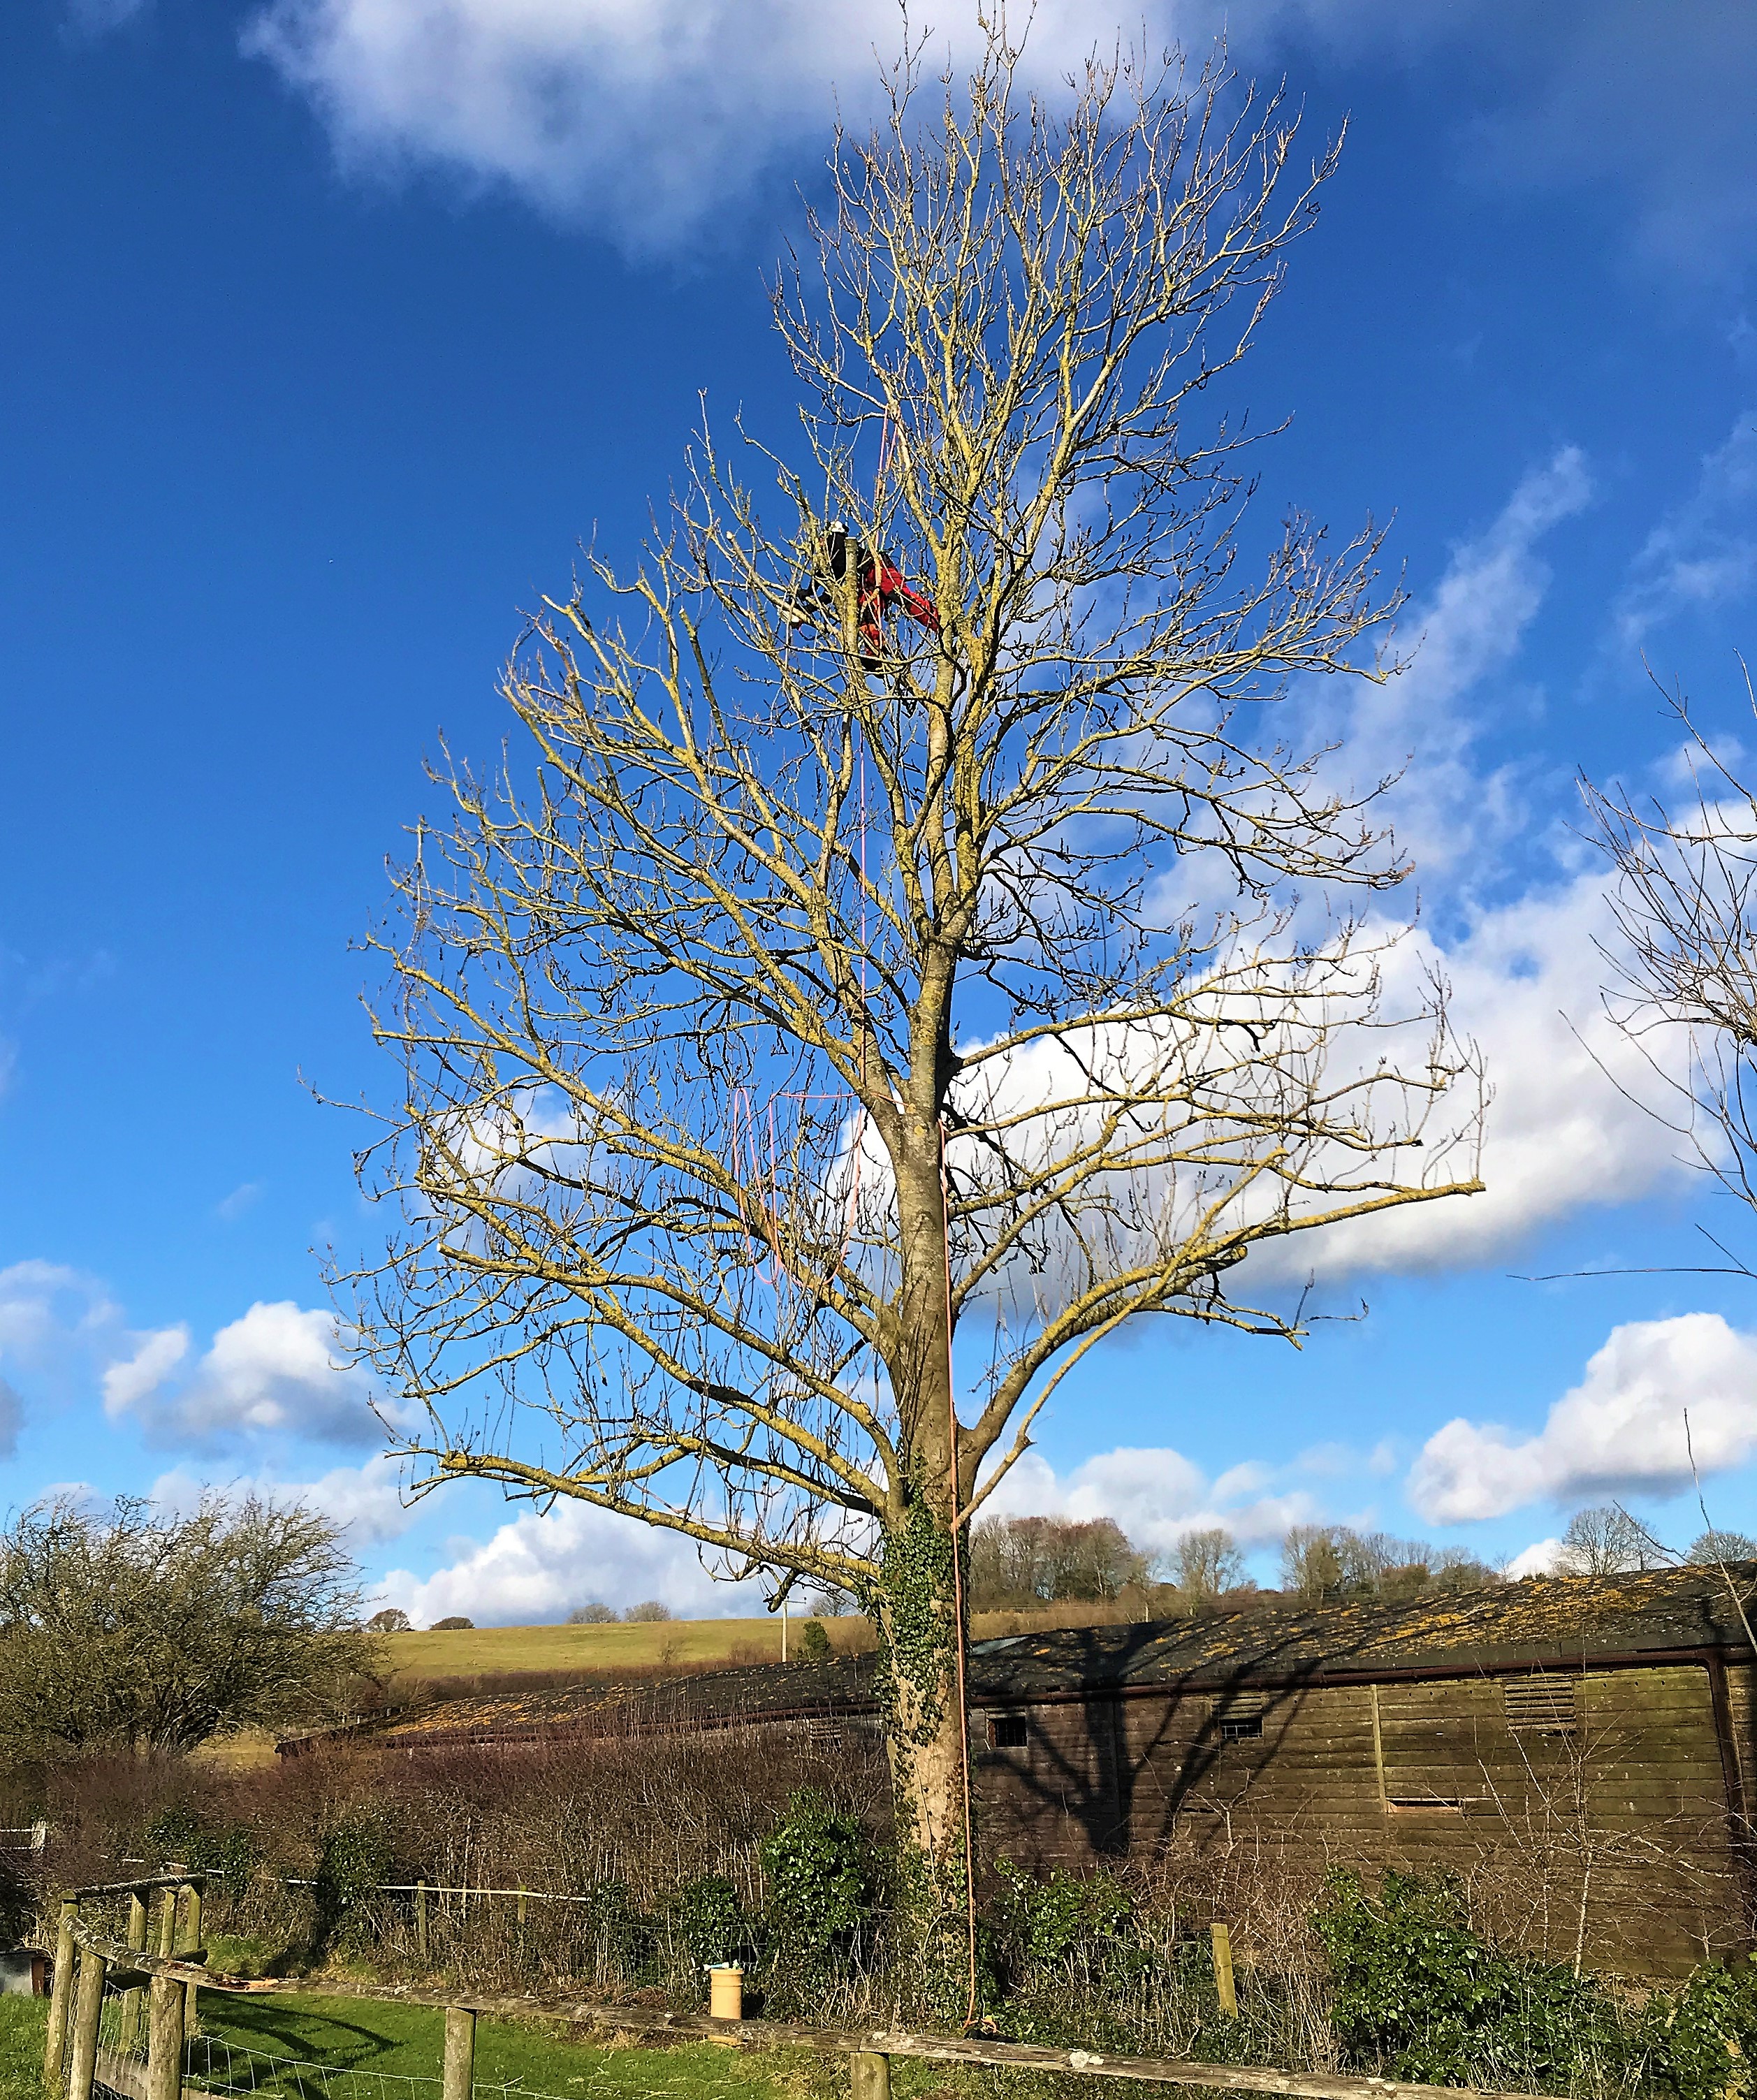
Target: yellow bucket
(725,1991)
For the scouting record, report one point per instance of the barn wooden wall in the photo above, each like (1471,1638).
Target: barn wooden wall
(1584,1810)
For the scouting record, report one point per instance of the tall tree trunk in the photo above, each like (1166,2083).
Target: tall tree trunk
(921,1598)
(919,1628)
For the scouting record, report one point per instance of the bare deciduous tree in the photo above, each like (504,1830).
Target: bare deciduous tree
(1714,1548)
(1015,1562)
(1685,906)
(814,985)
(1606,1541)
(125,1629)
(1205,1565)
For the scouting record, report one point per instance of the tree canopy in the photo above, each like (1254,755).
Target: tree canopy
(128,1628)
(898,949)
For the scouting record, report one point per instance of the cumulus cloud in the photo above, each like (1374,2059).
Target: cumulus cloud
(648,110)
(129,1381)
(275,1370)
(1565,1128)
(365,1502)
(646,113)
(1156,1496)
(1538,1559)
(1703,553)
(1621,1427)
(539,1565)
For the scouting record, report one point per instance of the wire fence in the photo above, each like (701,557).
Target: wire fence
(218,2065)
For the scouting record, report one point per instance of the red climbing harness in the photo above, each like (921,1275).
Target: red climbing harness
(881,585)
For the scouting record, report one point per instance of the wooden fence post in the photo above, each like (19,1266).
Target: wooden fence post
(521,1906)
(869,2075)
(60,1999)
(86,2012)
(164,2039)
(192,2017)
(128,2031)
(421,1918)
(1223,1976)
(459,2054)
(168,1924)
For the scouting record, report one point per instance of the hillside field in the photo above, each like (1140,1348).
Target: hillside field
(685,1643)
(486,1650)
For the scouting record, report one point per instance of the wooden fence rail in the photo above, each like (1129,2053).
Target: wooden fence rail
(71,2061)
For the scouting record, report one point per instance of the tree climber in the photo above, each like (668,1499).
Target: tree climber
(881,585)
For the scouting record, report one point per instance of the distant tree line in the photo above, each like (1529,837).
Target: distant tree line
(1018,1561)
(1023,1562)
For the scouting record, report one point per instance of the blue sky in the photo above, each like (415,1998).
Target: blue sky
(332,326)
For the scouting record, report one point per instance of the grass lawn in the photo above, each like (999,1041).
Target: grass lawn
(376,2048)
(390,2043)
(24,2024)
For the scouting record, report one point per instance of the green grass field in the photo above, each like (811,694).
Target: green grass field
(377,2047)
(389,2052)
(490,1649)
(376,2043)
(486,1651)
(23,2023)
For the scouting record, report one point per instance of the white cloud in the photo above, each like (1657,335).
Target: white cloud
(128,1382)
(1446,810)
(651,111)
(274,1370)
(1155,1495)
(57,1326)
(244,1198)
(365,1502)
(1621,1427)
(538,1566)
(1563,1128)
(43,1303)
(1538,1559)
(1704,552)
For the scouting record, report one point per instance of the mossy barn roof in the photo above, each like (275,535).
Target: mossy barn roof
(1548,1623)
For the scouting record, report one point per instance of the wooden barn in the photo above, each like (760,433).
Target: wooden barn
(1582,1748)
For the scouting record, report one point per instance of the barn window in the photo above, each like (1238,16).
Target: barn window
(1546,1703)
(1006,1731)
(1241,1717)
